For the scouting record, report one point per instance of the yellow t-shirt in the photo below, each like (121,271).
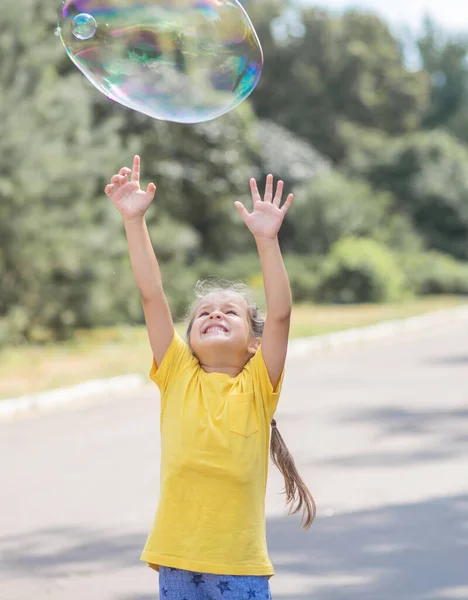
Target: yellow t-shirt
(215,437)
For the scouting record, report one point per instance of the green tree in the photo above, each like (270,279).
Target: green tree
(54,234)
(333,206)
(340,69)
(427,173)
(444,58)
(361,270)
(287,155)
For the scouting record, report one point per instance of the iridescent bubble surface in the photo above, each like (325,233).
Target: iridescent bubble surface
(84,26)
(186,61)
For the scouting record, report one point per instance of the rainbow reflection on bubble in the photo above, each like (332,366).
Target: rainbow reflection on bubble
(186,61)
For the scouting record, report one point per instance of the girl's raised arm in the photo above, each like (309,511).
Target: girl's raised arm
(264,223)
(132,203)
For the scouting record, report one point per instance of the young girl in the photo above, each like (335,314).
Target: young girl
(219,393)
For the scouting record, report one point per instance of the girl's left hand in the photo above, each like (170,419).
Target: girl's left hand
(267,216)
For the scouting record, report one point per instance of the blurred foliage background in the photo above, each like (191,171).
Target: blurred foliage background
(374,148)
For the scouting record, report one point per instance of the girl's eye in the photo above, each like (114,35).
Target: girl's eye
(203,314)
(231,312)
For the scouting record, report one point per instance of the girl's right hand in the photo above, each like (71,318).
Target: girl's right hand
(130,200)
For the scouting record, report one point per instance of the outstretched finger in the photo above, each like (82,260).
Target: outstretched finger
(244,213)
(151,189)
(255,193)
(136,168)
(269,189)
(288,203)
(109,189)
(279,193)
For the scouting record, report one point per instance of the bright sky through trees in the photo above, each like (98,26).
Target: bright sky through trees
(452,14)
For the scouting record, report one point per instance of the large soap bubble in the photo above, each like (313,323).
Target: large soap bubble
(186,61)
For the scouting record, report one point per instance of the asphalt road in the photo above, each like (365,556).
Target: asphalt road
(379,431)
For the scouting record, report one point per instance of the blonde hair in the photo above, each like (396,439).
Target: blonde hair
(298,496)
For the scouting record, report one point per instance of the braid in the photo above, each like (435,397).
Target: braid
(298,496)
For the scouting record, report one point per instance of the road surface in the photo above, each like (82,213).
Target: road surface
(379,431)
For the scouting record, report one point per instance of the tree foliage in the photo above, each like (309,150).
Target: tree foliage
(444,57)
(361,270)
(53,153)
(333,206)
(339,69)
(338,115)
(427,174)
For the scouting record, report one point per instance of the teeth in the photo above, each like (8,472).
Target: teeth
(215,328)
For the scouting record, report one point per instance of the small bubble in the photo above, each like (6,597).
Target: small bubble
(84,26)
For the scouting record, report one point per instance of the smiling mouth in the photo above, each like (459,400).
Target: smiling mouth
(213,328)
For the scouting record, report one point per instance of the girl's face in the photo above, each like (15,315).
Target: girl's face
(220,334)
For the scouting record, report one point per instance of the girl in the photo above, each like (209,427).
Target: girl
(219,393)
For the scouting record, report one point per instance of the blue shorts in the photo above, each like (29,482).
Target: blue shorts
(175,584)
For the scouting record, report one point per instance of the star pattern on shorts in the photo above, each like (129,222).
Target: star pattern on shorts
(164,591)
(251,594)
(224,587)
(197,579)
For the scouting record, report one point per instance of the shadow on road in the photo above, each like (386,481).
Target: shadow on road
(455,360)
(393,420)
(439,435)
(63,551)
(409,552)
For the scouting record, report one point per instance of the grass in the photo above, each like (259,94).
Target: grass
(105,353)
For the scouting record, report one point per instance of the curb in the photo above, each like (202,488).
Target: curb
(13,407)
(298,348)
